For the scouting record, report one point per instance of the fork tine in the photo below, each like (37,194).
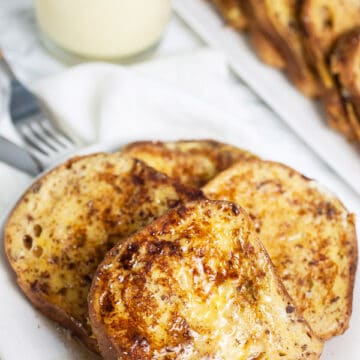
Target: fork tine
(33,140)
(42,138)
(29,139)
(52,135)
(43,134)
(38,155)
(56,134)
(37,131)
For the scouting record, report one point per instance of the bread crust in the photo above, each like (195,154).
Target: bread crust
(309,234)
(323,22)
(150,298)
(192,162)
(62,226)
(278,21)
(344,67)
(232,12)
(265,50)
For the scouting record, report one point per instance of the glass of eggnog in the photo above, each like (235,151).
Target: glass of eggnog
(110,30)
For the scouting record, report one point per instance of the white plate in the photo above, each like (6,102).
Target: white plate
(299,113)
(27,334)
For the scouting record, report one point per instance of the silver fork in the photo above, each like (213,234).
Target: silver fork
(42,138)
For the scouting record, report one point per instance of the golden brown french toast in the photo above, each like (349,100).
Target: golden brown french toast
(323,22)
(65,223)
(307,232)
(278,21)
(345,68)
(191,162)
(196,284)
(265,50)
(231,11)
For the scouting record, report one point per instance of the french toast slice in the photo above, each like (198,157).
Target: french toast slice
(231,11)
(65,223)
(191,162)
(196,284)
(345,68)
(323,22)
(278,21)
(265,49)
(307,232)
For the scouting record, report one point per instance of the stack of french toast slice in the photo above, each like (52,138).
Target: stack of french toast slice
(186,250)
(315,42)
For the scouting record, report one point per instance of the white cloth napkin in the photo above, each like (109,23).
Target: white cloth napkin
(192,96)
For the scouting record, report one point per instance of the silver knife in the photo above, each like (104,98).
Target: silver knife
(19,158)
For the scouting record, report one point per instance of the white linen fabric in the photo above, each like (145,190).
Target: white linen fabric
(189,96)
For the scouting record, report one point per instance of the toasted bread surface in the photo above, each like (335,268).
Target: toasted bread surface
(196,284)
(191,162)
(264,48)
(323,22)
(308,233)
(345,67)
(62,227)
(232,12)
(278,20)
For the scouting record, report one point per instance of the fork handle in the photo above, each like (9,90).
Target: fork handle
(5,67)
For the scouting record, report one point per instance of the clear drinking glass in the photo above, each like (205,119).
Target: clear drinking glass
(111,30)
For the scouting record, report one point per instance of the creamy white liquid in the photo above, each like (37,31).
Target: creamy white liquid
(104,29)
